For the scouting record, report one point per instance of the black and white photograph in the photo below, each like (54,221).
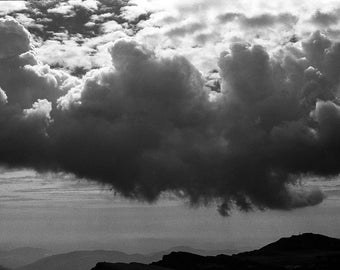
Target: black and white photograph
(170,135)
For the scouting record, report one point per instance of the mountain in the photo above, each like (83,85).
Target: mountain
(20,256)
(304,251)
(83,260)
(158,255)
(87,259)
(301,252)
(188,261)
(127,266)
(304,242)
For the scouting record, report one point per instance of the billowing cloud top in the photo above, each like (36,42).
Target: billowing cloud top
(15,38)
(146,123)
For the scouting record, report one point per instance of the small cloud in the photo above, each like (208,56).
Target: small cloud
(189,28)
(325,19)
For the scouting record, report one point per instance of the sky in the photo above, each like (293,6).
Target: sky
(144,124)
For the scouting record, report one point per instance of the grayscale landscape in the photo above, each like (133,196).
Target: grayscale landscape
(177,134)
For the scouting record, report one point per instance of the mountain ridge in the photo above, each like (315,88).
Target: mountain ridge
(306,251)
(86,259)
(17,257)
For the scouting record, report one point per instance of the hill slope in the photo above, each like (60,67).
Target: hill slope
(303,242)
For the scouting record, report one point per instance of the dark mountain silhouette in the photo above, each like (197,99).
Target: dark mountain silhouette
(303,242)
(21,256)
(188,261)
(302,252)
(158,255)
(127,266)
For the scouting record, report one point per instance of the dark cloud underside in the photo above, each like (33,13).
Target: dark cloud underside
(147,125)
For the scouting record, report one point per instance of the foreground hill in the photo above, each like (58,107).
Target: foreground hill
(127,266)
(188,261)
(301,252)
(307,242)
(305,251)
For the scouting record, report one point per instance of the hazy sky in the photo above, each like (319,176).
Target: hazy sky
(143,124)
(65,214)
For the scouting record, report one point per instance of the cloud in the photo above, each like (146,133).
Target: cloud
(229,17)
(3,97)
(325,18)
(40,109)
(46,20)
(147,124)
(164,26)
(15,38)
(76,30)
(263,20)
(10,6)
(185,29)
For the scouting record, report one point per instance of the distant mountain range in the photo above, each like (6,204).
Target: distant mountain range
(82,260)
(20,256)
(300,252)
(85,260)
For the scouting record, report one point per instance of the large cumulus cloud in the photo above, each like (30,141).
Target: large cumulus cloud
(28,90)
(147,124)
